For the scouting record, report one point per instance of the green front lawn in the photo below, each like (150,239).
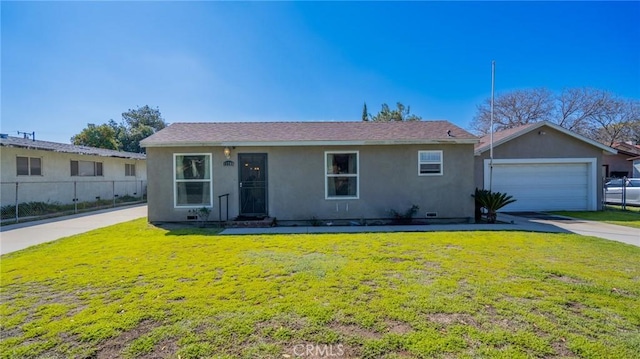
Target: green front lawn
(613,215)
(134,290)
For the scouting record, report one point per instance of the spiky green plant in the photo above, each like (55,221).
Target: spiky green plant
(492,202)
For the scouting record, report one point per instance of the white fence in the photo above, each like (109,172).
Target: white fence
(32,200)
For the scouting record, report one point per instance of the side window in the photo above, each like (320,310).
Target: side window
(129,169)
(429,163)
(22,163)
(29,166)
(86,168)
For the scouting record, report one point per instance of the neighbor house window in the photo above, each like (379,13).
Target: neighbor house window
(192,180)
(341,175)
(429,163)
(129,169)
(86,168)
(29,166)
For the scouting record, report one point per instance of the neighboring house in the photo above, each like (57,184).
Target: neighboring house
(43,171)
(301,171)
(544,166)
(635,161)
(618,166)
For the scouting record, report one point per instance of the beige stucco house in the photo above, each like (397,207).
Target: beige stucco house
(621,164)
(298,171)
(635,162)
(51,172)
(544,166)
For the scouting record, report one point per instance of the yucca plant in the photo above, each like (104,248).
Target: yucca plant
(491,202)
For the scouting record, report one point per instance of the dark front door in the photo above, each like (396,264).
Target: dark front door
(253,184)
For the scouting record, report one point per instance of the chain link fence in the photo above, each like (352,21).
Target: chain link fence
(618,193)
(24,201)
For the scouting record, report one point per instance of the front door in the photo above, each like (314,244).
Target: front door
(253,184)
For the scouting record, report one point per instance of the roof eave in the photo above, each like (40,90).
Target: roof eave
(36,148)
(309,143)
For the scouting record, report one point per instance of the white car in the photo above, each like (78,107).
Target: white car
(613,191)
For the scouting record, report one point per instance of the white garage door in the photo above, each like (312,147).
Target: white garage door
(544,186)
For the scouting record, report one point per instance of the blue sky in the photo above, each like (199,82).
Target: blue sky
(66,64)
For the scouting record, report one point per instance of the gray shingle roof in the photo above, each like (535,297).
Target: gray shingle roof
(67,148)
(307,133)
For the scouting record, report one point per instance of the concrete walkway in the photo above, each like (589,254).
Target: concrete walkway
(509,223)
(22,235)
(19,236)
(612,232)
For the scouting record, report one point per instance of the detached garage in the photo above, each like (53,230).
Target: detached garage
(544,167)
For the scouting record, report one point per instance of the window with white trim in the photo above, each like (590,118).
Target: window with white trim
(429,163)
(86,168)
(130,169)
(29,166)
(192,180)
(341,175)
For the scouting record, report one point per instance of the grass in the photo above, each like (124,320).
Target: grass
(613,214)
(137,291)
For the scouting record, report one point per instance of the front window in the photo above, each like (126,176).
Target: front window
(341,175)
(192,180)
(429,163)
(29,166)
(86,168)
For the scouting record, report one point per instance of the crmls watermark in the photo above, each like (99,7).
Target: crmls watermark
(318,350)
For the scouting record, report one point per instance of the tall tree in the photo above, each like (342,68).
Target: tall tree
(135,126)
(513,109)
(102,136)
(575,107)
(400,113)
(594,113)
(365,113)
(617,121)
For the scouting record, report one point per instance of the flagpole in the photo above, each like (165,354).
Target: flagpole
(493,76)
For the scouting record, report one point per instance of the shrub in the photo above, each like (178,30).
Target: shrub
(491,202)
(406,217)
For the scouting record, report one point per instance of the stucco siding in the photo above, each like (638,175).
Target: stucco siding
(388,179)
(546,145)
(56,184)
(618,163)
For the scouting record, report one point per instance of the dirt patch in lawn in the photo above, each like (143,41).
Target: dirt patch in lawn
(566,279)
(353,330)
(561,350)
(320,350)
(396,327)
(166,348)
(112,348)
(452,318)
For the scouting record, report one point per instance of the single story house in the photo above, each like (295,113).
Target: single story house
(619,165)
(51,172)
(302,171)
(544,167)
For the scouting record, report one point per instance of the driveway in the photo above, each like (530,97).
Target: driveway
(583,227)
(22,235)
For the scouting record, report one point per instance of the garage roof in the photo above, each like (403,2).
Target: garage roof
(501,137)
